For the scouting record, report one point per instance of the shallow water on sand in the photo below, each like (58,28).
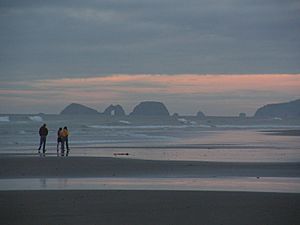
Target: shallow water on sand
(91,137)
(249,184)
(192,144)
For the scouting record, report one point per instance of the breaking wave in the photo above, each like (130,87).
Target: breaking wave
(4,119)
(36,118)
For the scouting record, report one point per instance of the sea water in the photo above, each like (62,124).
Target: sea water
(153,139)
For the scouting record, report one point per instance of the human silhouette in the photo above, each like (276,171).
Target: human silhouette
(65,137)
(66,134)
(58,140)
(43,132)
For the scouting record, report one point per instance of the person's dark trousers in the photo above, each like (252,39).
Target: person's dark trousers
(67,146)
(67,143)
(43,143)
(62,147)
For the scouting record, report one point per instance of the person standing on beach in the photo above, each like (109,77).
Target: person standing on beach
(43,132)
(58,140)
(66,135)
(62,140)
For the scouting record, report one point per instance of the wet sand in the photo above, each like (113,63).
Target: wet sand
(36,167)
(130,207)
(283,132)
(148,207)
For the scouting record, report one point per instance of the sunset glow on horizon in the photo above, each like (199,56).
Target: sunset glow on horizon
(178,83)
(188,89)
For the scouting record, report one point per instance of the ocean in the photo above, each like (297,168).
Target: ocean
(184,139)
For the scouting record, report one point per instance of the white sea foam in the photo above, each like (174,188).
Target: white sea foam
(182,120)
(204,126)
(124,122)
(95,141)
(263,126)
(145,136)
(187,122)
(4,119)
(36,118)
(138,127)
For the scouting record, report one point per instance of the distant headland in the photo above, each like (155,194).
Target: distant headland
(281,110)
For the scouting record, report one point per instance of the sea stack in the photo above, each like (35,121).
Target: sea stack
(114,110)
(78,109)
(200,115)
(150,108)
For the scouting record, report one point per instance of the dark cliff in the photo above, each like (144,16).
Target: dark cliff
(282,110)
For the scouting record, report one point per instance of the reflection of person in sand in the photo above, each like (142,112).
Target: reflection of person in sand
(43,132)
(43,182)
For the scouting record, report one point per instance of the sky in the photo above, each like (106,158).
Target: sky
(220,57)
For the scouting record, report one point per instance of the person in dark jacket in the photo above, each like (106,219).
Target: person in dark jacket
(43,132)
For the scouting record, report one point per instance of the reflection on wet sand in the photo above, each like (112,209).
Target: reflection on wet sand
(251,184)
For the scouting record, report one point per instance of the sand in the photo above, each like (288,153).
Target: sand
(283,132)
(109,207)
(148,207)
(31,167)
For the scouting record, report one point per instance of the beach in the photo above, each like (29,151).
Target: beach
(148,207)
(150,112)
(30,167)
(131,206)
(154,175)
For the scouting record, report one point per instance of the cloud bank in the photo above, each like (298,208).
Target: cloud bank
(55,39)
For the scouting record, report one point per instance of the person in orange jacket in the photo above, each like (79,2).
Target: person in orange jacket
(64,139)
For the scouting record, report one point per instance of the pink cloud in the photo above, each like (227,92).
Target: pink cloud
(180,83)
(183,83)
(126,88)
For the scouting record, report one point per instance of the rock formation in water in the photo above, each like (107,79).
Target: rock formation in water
(175,115)
(200,114)
(78,109)
(150,108)
(280,110)
(242,115)
(114,110)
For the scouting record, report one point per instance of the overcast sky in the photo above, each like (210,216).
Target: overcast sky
(58,39)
